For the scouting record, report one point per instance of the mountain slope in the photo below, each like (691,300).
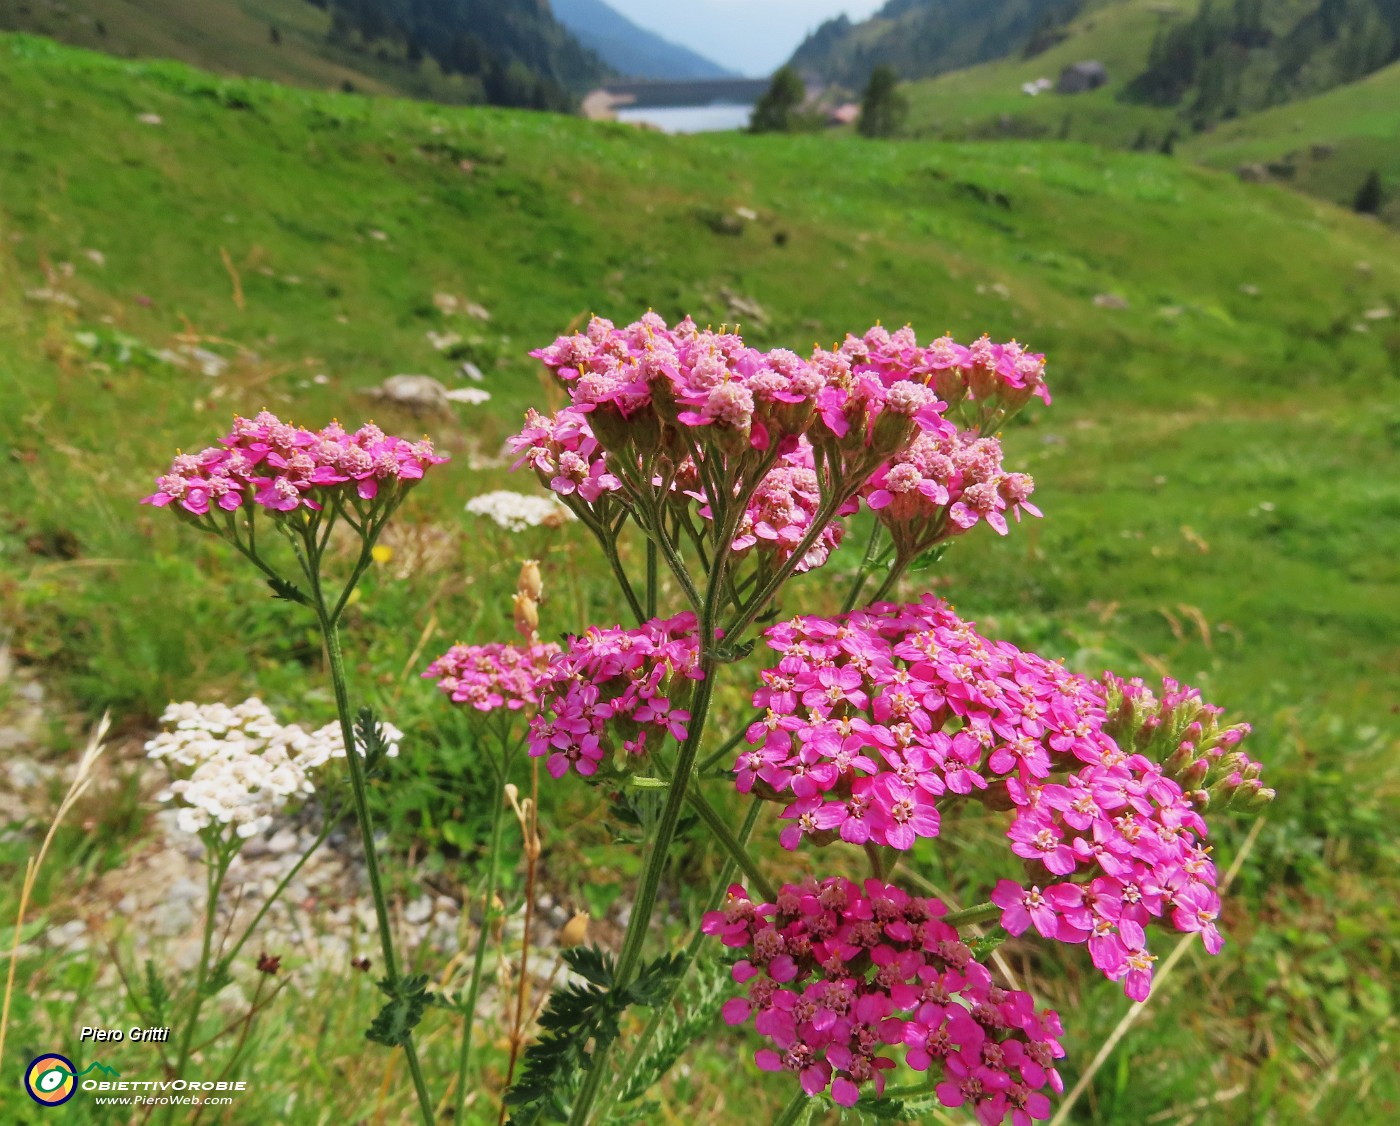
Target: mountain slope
(1325,146)
(632,51)
(921,38)
(505,51)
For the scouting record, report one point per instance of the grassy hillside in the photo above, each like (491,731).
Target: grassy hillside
(1325,145)
(1220,471)
(986,101)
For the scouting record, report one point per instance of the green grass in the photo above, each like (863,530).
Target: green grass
(1332,141)
(1218,472)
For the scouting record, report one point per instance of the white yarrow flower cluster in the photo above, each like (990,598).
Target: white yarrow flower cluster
(517,511)
(238,766)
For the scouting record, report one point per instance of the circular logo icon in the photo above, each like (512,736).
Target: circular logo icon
(49,1079)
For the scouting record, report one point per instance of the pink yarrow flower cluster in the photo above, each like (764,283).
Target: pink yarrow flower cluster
(614,692)
(839,976)
(494,676)
(872,717)
(278,467)
(1005,375)
(633,381)
(943,485)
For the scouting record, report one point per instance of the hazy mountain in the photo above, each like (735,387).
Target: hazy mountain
(630,50)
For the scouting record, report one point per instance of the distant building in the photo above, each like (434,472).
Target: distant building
(848,113)
(1079,78)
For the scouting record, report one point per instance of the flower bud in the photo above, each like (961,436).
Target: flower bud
(527,616)
(575,931)
(530,584)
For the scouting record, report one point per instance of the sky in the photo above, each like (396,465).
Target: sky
(754,37)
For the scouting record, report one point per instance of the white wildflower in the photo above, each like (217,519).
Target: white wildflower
(517,511)
(238,766)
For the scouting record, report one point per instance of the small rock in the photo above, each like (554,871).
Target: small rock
(469,370)
(1380,313)
(444,340)
(47,295)
(477,311)
(1249,290)
(1252,173)
(149,118)
(446,303)
(1110,301)
(378,236)
(284,840)
(421,394)
(96,257)
(170,918)
(746,213)
(472,395)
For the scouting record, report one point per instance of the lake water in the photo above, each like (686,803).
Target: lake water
(688,119)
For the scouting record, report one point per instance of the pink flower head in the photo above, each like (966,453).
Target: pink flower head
(837,975)
(488,677)
(614,691)
(270,464)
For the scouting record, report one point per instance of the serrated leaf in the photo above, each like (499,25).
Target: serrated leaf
(408,998)
(656,980)
(648,1110)
(591,963)
(369,734)
(157,996)
(700,1003)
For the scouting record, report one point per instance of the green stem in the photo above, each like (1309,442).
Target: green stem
(652,579)
(645,902)
(619,1091)
(730,843)
(872,549)
(980,913)
(474,989)
(214,883)
(796,1110)
(361,795)
(896,573)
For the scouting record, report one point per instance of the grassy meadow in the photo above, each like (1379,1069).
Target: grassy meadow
(1220,474)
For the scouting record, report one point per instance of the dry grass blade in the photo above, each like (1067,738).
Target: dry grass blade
(1131,1016)
(82,779)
